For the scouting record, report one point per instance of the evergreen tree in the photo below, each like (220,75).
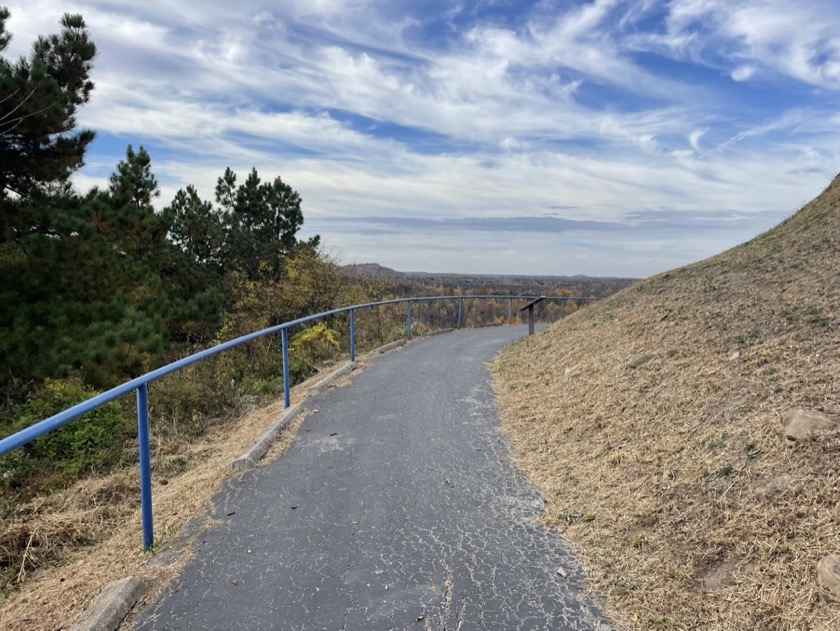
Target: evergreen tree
(89,292)
(131,221)
(133,183)
(196,232)
(195,227)
(261,222)
(39,149)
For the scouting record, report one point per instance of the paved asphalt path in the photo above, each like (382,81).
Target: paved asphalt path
(396,508)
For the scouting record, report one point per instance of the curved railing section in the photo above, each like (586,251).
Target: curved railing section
(140,385)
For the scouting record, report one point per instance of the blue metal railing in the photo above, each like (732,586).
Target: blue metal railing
(140,385)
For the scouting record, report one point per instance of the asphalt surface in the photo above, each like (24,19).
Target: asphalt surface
(396,508)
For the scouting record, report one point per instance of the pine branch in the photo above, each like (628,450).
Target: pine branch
(17,121)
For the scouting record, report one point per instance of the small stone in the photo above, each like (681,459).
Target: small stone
(569,372)
(671,325)
(806,423)
(562,572)
(828,573)
(734,356)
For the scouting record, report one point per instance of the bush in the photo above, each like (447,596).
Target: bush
(312,348)
(185,403)
(90,444)
(379,326)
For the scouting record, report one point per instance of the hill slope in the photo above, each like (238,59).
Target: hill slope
(654,423)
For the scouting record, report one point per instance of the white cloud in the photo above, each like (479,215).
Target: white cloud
(694,138)
(796,39)
(350,105)
(744,73)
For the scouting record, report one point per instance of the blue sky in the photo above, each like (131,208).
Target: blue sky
(610,137)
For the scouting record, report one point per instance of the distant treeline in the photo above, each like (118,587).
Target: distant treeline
(484,312)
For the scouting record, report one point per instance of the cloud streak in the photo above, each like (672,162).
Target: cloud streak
(423,120)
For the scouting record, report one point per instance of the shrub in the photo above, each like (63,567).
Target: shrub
(92,443)
(185,403)
(311,348)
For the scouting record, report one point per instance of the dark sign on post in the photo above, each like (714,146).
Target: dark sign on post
(530,308)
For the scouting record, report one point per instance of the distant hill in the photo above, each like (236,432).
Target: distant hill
(369,269)
(441,283)
(375,269)
(655,423)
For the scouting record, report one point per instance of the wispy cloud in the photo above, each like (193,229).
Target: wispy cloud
(796,39)
(510,125)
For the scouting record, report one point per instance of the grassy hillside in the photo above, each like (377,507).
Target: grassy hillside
(654,423)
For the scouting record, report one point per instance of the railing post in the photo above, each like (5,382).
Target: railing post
(145,466)
(408,335)
(352,335)
(460,311)
(563,309)
(287,395)
(510,311)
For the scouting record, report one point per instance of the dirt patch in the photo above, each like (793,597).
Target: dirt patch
(92,530)
(672,476)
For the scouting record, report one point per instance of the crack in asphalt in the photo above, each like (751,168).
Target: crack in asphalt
(408,514)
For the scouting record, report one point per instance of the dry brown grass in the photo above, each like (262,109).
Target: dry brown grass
(91,534)
(655,473)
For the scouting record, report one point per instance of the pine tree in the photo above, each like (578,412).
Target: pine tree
(261,222)
(39,147)
(195,227)
(131,221)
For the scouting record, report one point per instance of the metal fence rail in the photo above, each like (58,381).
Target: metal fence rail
(140,384)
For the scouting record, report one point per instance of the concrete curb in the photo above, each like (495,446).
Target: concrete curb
(109,609)
(438,332)
(250,457)
(330,379)
(388,347)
